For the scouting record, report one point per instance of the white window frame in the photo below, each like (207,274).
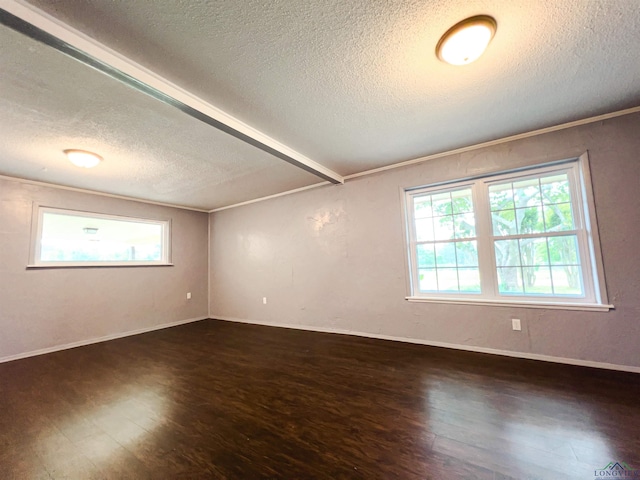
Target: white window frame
(595,295)
(36,237)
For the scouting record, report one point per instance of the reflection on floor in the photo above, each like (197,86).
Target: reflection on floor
(221,400)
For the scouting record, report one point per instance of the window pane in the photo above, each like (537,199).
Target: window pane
(537,280)
(510,280)
(558,217)
(442,204)
(535,230)
(448,279)
(530,220)
(504,223)
(526,193)
(73,237)
(501,197)
(443,228)
(507,253)
(446,254)
(467,254)
(533,251)
(422,206)
(426,256)
(427,280)
(465,225)
(555,189)
(563,250)
(424,229)
(469,279)
(566,280)
(462,201)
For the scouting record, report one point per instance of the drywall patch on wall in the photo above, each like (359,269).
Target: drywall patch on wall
(328,230)
(323,218)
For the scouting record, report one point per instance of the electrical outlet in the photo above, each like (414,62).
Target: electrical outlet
(264,300)
(188,295)
(515,324)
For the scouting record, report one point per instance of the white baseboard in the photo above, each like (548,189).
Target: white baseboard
(468,348)
(106,338)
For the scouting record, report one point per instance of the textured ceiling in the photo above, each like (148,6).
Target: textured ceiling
(49,102)
(354,85)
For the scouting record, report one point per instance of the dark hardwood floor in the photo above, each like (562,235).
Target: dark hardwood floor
(221,400)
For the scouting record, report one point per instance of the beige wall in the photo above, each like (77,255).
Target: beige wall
(47,308)
(333,258)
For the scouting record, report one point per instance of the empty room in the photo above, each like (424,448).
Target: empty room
(319,240)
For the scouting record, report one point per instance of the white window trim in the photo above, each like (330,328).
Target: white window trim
(36,236)
(590,307)
(595,298)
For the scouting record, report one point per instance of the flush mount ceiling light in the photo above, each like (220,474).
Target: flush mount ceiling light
(467,40)
(81,158)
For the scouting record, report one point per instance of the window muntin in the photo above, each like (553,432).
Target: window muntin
(74,238)
(528,232)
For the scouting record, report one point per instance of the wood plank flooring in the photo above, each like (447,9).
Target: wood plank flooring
(216,400)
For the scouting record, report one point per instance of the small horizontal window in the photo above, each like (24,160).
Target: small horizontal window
(67,238)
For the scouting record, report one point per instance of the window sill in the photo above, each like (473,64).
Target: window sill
(591,307)
(100,265)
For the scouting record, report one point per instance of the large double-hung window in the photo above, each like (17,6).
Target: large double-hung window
(527,237)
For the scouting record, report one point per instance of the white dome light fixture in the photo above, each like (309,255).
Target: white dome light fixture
(467,40)
(84,159)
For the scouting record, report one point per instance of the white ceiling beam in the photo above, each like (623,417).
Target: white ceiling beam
(42,27)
